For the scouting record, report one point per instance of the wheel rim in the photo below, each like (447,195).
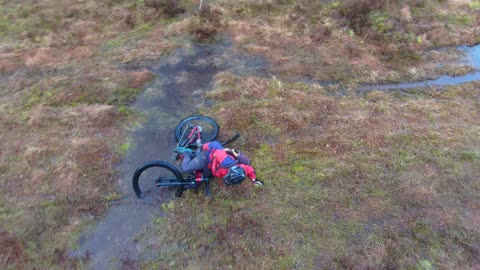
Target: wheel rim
(209,129)
(149,177)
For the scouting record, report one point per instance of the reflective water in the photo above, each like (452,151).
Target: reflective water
(471,58)
(175,92)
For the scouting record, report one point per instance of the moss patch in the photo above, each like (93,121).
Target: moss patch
(373,181)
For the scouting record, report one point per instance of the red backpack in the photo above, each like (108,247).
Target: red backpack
(223,165)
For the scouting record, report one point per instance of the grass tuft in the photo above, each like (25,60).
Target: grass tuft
(372,181)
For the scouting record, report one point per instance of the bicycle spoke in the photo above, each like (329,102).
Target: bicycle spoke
(148,178)
(208,125)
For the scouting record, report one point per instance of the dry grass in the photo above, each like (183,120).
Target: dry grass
(63,92)
(381,181)
(350,41)
(58,170)
(206,27)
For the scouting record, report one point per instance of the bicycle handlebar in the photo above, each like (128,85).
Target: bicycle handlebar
(234,138)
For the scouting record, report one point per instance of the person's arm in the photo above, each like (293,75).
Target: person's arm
(250,172)
(211,145)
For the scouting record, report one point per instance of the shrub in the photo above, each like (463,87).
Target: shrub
(167,7)
(379,22)
(205,28)
(357,13)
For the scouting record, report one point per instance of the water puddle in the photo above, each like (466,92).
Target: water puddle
(176,92)
(3,79)
(471,58)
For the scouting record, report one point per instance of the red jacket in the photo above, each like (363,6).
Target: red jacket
(219,161)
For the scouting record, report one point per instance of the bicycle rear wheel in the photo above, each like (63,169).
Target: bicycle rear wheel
(147,177)
(209,126)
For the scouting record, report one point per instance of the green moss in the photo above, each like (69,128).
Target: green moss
(475,4)
(286,262)
(113,196)
(424,264)
(460,18)
(124,148)
(114,43)
(123,96)
(470,155)
(259,9)
(37,95)
(380,22)
(168,206)
(26,21)
(4,27)
(335,4)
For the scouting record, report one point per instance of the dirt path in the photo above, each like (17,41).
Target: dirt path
(176,92)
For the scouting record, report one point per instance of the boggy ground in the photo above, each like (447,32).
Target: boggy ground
(64,116)
(384,180)
(379,181)
(355,41)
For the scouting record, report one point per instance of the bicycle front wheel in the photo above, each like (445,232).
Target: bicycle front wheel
(209,126)
(148,176)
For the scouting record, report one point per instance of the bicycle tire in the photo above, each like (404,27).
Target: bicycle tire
(210,127)
(146,176)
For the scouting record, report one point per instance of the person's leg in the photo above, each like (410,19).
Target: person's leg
(189,164)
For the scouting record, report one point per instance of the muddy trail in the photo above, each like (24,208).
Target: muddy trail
(177,91)
(181,79)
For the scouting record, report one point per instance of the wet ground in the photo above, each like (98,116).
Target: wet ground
(471,58)
(176,92)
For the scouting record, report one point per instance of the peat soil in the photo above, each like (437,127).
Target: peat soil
(177,91)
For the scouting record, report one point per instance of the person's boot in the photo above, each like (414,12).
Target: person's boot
(179,192)
(208,193)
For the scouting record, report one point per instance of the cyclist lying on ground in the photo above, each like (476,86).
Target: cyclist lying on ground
(227,164)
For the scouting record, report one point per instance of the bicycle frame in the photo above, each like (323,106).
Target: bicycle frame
(172,183)
(186,134)
(191,138)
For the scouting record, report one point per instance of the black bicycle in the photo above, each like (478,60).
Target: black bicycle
(160,174)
